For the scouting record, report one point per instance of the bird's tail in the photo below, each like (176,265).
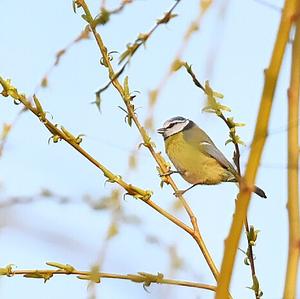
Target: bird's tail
(236,178)
(260,192)
(256,190)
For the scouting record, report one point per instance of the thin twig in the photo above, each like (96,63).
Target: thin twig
(132,48)
(141,277)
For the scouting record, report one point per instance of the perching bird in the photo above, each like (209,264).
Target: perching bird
(195,156)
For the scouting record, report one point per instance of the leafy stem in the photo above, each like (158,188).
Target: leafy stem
(214,106)
(65,269)
(132,48)
(63,134)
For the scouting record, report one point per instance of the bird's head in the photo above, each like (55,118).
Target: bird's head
(174,125)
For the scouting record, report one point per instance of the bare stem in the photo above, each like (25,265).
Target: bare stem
(293,162)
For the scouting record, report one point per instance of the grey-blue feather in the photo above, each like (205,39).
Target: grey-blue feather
(196,136)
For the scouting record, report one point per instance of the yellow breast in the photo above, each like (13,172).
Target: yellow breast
(195,167)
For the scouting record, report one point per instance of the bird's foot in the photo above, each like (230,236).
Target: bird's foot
(169,173)
(179,193)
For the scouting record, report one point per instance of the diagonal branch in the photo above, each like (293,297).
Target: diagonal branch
(133,48)
(146,139)
(64,134)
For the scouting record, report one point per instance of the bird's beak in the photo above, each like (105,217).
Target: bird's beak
(161,131)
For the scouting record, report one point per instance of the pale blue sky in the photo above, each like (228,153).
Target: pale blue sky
(32,32)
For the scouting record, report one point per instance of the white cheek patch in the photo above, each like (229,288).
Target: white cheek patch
(178,127)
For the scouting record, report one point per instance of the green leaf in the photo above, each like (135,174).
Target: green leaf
(37,274)
(255,287)
(84,17)
(246,261)
(39,109)
(176,65)
(102,18)
(228,141)
(54,138)
(8,270)
(98,101)
(68,134)
(252,235)
(74,5)
(142,38)
(131,48)
(166,18)
(66,267)
(126,89)
(113,230)
(93,277)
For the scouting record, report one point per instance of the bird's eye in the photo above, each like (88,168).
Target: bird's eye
(171,125)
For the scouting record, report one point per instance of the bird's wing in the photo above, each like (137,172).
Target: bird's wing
(198,138)
(212,151)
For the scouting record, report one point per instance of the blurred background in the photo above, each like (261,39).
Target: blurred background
(55,205)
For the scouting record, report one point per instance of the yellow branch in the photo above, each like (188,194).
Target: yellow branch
(64,134)
(141,277)
(293,162)
(271,75)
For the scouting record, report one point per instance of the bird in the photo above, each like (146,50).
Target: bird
(195,156)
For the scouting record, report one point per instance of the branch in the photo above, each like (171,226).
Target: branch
(293,162)
(64,269)
(143,37)
(271,75)
(131,117)
(63,134)
(133,47)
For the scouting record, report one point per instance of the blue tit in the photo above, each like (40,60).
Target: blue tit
(195,156)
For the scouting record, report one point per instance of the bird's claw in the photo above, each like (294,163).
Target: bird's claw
(179,193)
(168,173)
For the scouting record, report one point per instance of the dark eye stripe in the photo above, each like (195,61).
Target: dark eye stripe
(171,125)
